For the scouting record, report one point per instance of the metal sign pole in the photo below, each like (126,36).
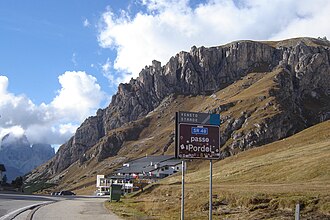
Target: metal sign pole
(297,216)
(210,205)
(182,193)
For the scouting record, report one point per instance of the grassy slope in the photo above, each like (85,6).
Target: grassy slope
(293,42)
(263,182)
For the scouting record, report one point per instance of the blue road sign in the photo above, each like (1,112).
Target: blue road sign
(198,130)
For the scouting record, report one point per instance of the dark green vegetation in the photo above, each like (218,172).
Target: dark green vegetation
(38,186)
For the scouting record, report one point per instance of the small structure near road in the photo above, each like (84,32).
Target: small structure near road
(102,185)
(135,174)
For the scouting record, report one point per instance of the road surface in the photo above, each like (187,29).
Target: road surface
(30,207)
(82,208)
(11,204)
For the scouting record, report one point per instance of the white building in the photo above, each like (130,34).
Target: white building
(135,174)
(103,184)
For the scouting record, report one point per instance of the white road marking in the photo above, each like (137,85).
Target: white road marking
(17,211)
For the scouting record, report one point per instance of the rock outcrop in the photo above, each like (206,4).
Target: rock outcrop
(301,97)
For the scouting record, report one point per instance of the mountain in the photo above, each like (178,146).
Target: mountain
(20,157)
(264,91)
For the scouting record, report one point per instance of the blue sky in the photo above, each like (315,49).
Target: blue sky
(62,60)
(42,39)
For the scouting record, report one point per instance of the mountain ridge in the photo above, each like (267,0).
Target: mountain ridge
(20,157)
(292,79)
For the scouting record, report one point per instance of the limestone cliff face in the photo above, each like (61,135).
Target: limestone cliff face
(202,71)
(302,99)
(86,136)
(303,93)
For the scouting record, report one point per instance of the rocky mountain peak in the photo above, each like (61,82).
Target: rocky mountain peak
(300,68)
(11,140)
(20,157)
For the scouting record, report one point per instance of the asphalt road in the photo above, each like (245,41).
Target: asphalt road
(28,207)
(82,208)
(10,204)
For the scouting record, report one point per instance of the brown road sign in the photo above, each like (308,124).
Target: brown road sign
(198,141)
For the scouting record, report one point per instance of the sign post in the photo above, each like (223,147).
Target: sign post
(197,136)
(297,213)
(210,205)
(182,193)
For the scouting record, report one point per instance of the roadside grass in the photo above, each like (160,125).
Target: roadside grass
(128,211)
(265,182)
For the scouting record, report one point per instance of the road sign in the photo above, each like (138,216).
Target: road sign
(198,118)
(198,141)
(199,130)
(197,137)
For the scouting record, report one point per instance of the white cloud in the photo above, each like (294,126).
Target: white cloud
(18,109)
(52,123)
(169,26)
(16,131)
(311,20)
(3,85)
(86,23)
(107,73)
(78,96)
(67,128)
(74,60)
(106,67)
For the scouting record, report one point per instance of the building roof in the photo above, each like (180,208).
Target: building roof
(171,162)
(148,159)
(2,168)
(147,164)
